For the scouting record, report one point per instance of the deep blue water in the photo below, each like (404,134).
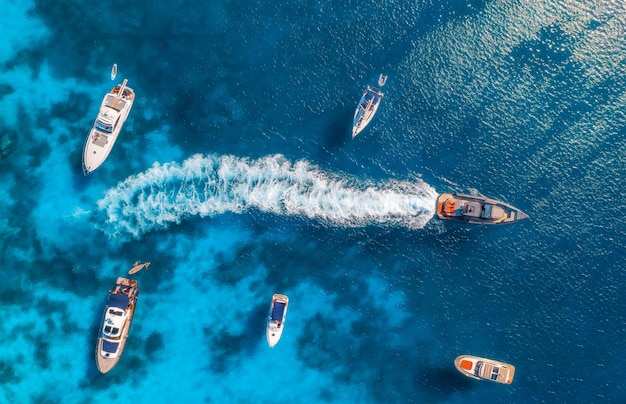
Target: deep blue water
(236,176)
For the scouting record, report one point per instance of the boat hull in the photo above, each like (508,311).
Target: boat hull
(126,291)
(273,335)
(476,210)
(276,319)
(94,155)
(485,369)
(105,364)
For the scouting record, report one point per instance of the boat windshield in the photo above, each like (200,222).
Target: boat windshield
(478,369)
(103,127)
(486,211)
(110,347)
(111,331)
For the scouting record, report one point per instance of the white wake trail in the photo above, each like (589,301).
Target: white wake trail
(210,185)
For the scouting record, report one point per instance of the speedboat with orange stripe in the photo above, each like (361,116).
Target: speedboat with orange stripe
(485,369)
(476,210)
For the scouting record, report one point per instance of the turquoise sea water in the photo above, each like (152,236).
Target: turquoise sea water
(236,176)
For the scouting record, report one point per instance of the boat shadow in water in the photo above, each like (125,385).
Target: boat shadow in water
(80,182)
(336,133)
(92,372)
(443,382)
(229,349)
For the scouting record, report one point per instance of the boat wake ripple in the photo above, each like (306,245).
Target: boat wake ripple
(210,185)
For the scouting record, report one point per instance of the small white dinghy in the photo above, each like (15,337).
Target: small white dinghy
(276,320)
(114,71)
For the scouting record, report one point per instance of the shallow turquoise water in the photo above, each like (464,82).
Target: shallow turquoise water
(236,176)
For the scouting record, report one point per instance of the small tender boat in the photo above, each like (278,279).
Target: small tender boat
(118,315)
(476,210)
(382,79)
(113,113)
(368,105)
(276,320)
(485,369)
(114,71)
(137,266)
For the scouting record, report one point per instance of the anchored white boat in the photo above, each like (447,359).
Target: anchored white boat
(368,105)
(113,113)
(116,321)
(276,320)
(485,369)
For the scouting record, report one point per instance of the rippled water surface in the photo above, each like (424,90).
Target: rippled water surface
(237,177)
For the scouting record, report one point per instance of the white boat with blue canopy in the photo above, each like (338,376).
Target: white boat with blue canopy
(116,321)
(276,320)
(113,112)
(368,105)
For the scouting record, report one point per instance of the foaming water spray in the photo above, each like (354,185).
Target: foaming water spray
(211,185)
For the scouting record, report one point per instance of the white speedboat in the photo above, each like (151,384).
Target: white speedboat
(113,113)
(485,369)
(276,320)
(116,321)
(368,105)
